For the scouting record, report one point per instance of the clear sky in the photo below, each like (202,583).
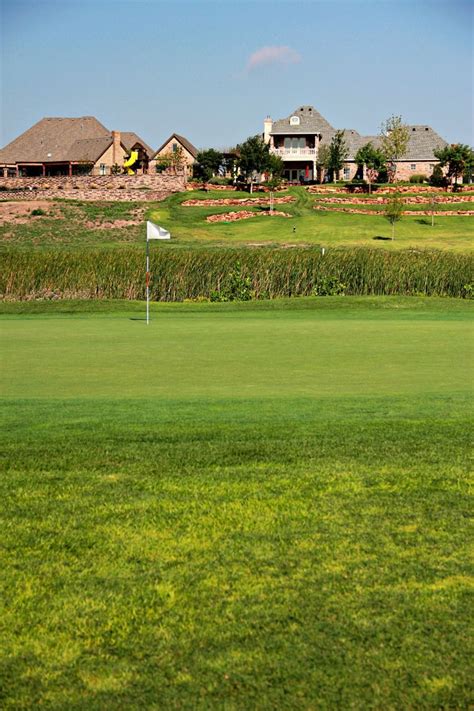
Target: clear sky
(213,69)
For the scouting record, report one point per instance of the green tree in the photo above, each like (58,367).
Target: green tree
(254,157)
(322,161)
(274,171)
(459,158)
(207,165)
(393,211)
(338,152)
(395,135)
(437,177)
(373,159)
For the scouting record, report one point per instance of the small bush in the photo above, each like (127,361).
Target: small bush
(38,212)
(329,286)
(437,178)
(220,181)
(236,287)
(418,178)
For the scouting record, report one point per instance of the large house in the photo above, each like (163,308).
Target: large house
(298,138)
(73,146)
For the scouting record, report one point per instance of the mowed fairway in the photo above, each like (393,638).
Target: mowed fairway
(254,506)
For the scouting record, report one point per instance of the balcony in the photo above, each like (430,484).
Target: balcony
(295,153)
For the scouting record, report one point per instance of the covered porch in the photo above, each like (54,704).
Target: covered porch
(300,171)
(69,168)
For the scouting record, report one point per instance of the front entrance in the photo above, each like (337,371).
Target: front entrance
(299,175)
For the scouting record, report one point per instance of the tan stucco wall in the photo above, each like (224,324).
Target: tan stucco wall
(168,148)
(107,159)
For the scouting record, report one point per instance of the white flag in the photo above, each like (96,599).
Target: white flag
(156,232)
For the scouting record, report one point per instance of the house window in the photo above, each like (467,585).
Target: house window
(103,169)
(413,166)
(347,173)
(174,147)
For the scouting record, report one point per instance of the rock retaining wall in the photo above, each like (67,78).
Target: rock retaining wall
(123,188)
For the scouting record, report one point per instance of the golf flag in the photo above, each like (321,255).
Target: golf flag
(156,232)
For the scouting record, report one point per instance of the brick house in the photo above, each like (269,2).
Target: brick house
(171,145)
(298,138)
(71,146)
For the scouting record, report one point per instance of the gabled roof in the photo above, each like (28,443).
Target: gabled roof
(311,121)
(184,142)
(128,139)
(51,139)
(66,139)
(89,150)
(422,142)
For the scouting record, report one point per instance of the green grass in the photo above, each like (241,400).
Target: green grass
(240,506)
(190,229)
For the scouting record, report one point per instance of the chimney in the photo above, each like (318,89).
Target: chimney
(116,147)
(267,127)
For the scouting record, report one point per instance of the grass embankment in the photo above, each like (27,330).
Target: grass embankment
(84,224)
(258,505)
(232,273)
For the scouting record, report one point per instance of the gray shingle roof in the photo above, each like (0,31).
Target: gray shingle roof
(422,142)
(311,121)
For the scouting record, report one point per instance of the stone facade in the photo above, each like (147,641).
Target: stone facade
(407,168)
(167,150)
(104,187)
(115,154)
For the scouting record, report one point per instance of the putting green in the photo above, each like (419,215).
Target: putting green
(236,354)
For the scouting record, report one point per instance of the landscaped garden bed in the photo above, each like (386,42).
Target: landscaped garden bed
(244,215)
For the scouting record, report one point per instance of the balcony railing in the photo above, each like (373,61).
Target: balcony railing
(287,152)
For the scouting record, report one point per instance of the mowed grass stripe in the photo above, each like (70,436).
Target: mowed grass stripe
(199,547)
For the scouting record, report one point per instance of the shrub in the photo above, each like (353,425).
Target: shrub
(437,178)
(329,286)
(220,181)
(418,178)
(236,287)
(37,212)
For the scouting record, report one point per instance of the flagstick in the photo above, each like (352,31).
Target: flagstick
(147,283)
(152,232)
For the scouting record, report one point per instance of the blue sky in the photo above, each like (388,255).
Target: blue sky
(213,69)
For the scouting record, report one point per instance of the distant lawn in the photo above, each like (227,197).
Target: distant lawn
(189,227)
(241,506)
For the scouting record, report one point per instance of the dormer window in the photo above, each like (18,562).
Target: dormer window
(295,121)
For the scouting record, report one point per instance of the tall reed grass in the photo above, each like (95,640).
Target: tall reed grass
(190,274)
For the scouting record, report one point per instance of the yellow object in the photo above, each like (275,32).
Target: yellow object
(130,161)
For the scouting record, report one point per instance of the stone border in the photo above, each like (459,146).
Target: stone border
(244,215)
